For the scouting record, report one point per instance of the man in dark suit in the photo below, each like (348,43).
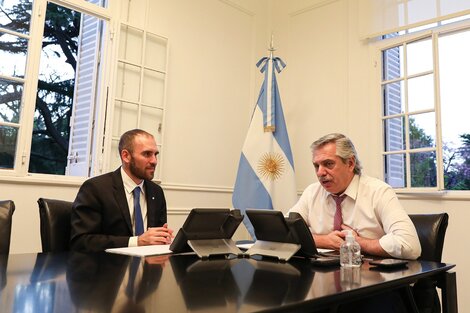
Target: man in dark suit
(122,208)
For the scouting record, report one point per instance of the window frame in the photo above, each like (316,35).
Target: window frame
(378,47)
(28,101)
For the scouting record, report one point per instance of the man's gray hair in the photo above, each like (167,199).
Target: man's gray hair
(344,148)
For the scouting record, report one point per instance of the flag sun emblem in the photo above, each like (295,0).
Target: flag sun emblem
(271,166)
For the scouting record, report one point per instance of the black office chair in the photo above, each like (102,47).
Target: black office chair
(431,229)
(55,224)
(7,207)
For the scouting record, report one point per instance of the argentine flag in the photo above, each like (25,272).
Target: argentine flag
(265,178)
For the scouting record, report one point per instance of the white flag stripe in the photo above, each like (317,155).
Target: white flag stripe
(258,143)
(269,121)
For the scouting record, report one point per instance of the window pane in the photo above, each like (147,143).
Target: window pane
(13,51)
(125,117)
(393,100)
(423,169)
(155,52)
(422,130)
(130,44)
(419,56)
(128,82)
(395,170)
(50,140)
(8,137)
(151,121)
(394,134)
(454,65)
(10,101)
(392,64)
(421,93)
(153,88)
(15,15)
(133,12)
(101,3)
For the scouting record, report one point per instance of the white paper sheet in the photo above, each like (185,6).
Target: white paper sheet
(142,250)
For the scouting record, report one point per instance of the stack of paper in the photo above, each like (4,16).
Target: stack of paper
(142,250)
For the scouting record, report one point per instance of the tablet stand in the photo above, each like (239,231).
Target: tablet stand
(281,250)
(204,248)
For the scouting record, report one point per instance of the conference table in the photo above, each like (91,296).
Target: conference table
(104,282)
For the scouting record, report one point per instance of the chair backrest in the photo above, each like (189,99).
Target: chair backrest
(55,224)
(7,207)
(431,230)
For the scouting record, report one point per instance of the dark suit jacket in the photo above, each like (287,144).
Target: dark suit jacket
(100,214)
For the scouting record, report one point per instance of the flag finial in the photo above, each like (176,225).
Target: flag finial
(271,47)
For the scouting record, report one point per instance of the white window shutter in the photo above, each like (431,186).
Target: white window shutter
(395,163)
(81,128)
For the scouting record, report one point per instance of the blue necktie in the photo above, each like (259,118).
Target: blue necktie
(133,268)
(139,222)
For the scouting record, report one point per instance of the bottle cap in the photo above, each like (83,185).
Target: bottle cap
(349,235)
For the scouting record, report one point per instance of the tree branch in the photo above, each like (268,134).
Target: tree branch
(53,132)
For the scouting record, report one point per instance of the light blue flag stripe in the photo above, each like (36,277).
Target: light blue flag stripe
(252,192)
(249,192)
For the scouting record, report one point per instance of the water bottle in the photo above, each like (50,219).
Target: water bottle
(350,252)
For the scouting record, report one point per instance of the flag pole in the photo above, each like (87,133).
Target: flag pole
(271,47)
(270,112)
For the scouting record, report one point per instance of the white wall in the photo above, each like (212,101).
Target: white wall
(213,84)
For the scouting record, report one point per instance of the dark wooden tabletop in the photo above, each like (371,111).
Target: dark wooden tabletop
(76,282)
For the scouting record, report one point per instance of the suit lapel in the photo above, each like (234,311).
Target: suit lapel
(121,200)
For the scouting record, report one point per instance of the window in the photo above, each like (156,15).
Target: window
(59,112)
(141,79)
(49,109)
(425,104)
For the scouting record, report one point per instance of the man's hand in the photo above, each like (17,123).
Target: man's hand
(330,241)
(368,246)
(156,236)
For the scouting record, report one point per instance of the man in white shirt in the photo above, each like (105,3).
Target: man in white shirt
(344,198)
(368,206)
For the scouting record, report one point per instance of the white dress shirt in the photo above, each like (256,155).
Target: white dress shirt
(129,186)
(371,208)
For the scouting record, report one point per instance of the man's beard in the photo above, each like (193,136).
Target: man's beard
(139,173)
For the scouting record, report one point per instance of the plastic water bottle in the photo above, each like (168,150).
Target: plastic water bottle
(350,252)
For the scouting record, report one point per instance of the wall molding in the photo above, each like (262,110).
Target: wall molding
(203,188)
(312,7)
(178,211)
(44,180)
(238,7)
(449,195)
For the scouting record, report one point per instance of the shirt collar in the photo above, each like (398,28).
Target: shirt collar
(129,184)
(352,189)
